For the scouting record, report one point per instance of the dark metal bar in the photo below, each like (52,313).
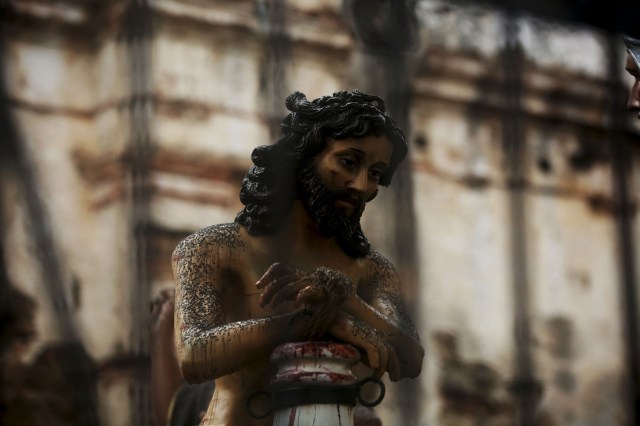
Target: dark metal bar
(272,17)
(137,32)
(387,31)
(524,386)
(405,245)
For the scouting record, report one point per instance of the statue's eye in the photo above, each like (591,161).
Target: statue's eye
(375,174)
(348,162)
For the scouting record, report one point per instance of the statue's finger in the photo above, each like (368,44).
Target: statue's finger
(373,356)
(273,287)
(287,292)
(383,359)
(309,295)
(275,271)
(394,365)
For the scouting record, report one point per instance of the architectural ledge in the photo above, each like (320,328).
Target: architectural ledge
(81,23)
(326,28)
(205,180)
(545,93)
(72,13)
(238,14)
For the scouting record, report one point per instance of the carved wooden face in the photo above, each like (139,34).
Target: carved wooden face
(634,96)
(354,165)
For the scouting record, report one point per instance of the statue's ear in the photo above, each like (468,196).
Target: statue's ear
(374,195)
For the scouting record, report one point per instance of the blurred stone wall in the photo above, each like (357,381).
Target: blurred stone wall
(219,72)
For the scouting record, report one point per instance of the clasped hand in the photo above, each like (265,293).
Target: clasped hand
(309,289)
(322,294)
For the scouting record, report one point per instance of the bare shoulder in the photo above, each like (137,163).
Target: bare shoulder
(379,267)
(380,280)
(209,240)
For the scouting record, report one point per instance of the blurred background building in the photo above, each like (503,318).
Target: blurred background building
(128,125)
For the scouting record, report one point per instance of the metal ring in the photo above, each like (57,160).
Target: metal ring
(380,397)
(250,400)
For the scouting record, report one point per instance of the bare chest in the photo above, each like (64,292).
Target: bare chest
(238,284)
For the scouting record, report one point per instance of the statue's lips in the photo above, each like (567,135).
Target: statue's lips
(353,203)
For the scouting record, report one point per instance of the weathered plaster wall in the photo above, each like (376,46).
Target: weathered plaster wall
(570,229)
(66,98)
(67,87)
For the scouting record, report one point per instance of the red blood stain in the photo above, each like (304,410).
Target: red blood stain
(315,350)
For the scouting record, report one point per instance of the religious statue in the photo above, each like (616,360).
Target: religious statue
(295,265)
(633,68)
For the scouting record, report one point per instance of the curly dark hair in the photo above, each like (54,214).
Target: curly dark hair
(269,187)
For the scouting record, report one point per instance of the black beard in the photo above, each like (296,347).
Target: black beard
(319,202)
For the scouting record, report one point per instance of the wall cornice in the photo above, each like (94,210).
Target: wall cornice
(83,24)
(475,83)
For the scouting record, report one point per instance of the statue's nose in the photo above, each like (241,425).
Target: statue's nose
(359,181)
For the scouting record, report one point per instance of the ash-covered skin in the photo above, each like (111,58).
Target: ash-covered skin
(223,334)
(197,263)
(385,288)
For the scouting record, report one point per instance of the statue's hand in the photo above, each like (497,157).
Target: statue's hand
(281,284)
(378,354)
(321,292)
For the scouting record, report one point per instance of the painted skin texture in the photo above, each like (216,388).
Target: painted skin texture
(239,296)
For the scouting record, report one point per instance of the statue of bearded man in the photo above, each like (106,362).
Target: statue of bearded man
(296,265)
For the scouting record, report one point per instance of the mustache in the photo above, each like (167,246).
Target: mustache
(350,196)
(347,194)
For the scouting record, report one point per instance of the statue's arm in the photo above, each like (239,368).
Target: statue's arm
(371,317)
(385,312)
(208,346)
